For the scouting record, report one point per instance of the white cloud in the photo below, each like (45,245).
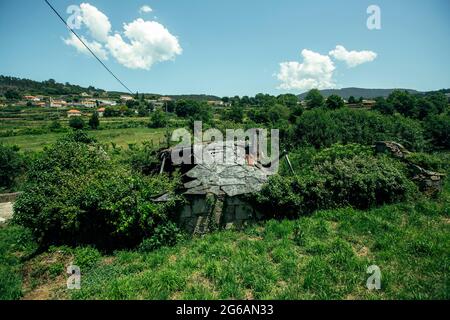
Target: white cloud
(96,21)
(96,47)
(352,58)
(149,42)
(316,71)
(142,43)
(145,9)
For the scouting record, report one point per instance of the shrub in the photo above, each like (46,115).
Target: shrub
(94,121)
(167,234)
(86,257)
(55,126)
(76,123)
(11,165)
(431,161)
(144,159)
(361,181)
(339,151)
(158,119)
(76,195)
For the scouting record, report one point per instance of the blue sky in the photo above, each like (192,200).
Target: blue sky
(235,47)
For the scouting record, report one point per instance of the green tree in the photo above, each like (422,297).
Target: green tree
(437,129)
(143,110)
(383,106)
(289,100)
(94,121)
(334,102)
(403,102)
(352,100)
(424,108)
(193,110)
(76,123)
(235,114)
(439,101)
(158,119)
(12,95)
(314,99)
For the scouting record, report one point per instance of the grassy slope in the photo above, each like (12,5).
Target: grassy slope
(121,137)
(327,259)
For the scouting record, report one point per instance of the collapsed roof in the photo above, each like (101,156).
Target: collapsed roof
(219,175)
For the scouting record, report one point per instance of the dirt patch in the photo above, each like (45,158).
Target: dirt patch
(172,259)
(107,261)
(44,277)
(248,295)
(53,290)
(363,252)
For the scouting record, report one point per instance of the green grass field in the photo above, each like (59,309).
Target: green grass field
(121,137)
(324,256)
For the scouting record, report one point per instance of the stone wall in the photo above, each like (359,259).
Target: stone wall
(8,197)
(203,214)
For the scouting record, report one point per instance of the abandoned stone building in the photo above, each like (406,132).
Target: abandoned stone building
(214,188)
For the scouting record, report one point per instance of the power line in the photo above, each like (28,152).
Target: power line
(79,38)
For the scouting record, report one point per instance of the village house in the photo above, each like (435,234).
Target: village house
(32,98)
(73,113)
(111,103)
(88,103)
(368,103)
(165,99)
(57,103)
(216,103)
(126,98)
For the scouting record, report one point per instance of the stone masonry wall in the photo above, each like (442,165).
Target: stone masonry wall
(203,214)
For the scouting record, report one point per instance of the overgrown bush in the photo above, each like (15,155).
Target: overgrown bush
(76,123)
(339,151)
(11,165)
(167,234)
(337,180)
(144,159)
(75,194)
(86,257)
(158,119)
(431,161)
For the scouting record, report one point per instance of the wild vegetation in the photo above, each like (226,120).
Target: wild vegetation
(88,185)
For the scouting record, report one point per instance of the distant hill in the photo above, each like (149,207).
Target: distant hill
(345,93)
(51,87)
(48,87)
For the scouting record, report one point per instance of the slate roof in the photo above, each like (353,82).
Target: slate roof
(229,178)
